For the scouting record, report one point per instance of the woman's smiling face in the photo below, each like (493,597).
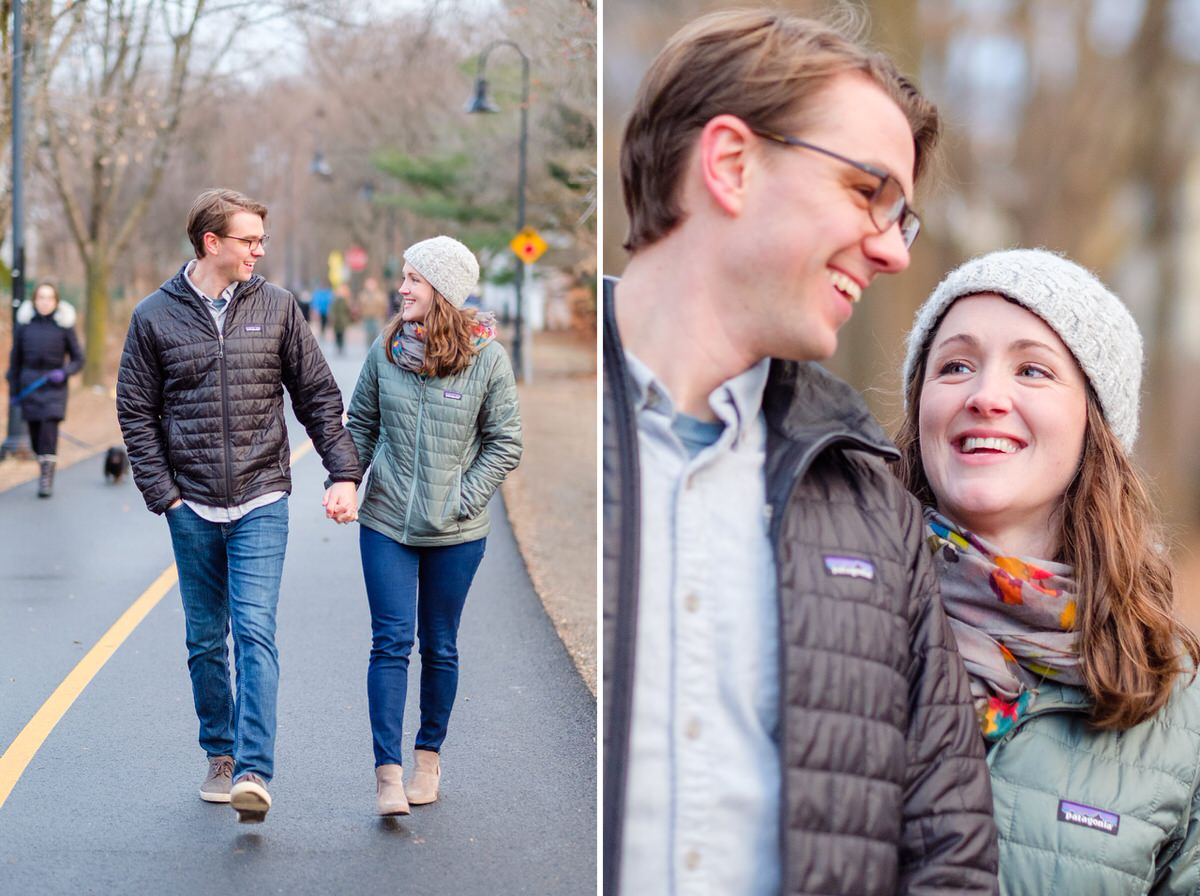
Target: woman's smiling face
(1003,415)
(417,293)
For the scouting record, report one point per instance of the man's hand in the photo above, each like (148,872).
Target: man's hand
(57,375)
(341,502)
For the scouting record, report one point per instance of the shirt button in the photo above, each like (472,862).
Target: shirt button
(692,860)
(692,731)
(691,603)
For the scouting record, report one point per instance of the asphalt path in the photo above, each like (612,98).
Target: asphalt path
(108,804)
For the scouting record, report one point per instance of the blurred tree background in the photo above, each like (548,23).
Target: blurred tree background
(1068,124)
(326,111)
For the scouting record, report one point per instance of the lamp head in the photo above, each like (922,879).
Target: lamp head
(480,101)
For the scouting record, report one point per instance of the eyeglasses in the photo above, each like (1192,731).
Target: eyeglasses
(887,205)
(252,242)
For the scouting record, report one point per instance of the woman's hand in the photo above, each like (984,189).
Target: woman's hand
(341,502)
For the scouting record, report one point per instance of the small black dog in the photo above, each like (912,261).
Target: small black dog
(116,463)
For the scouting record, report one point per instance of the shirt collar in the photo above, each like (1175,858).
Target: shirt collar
(736,402)
(226,293)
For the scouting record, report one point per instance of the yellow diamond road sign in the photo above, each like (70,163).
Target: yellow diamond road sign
(528,245)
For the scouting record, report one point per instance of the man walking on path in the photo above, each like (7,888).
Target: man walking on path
(200,403)
(785,710)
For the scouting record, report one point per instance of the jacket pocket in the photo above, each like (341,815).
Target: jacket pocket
(285,449)
(460,512)
(170,440)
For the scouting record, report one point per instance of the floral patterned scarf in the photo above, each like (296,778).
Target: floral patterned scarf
(408,345)
(1013,618)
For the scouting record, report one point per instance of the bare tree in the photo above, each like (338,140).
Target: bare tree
(111,120)
(49,30)
(107,132)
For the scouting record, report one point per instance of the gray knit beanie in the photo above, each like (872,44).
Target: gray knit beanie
(449,266)
(1088,318)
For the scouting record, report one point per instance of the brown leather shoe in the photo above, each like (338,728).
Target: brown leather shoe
(389,790)
(423,788)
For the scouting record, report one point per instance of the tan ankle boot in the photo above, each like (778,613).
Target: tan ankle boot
(423,788)
(389,790)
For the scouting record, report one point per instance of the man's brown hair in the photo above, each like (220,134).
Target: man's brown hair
(763,66)
(212,210)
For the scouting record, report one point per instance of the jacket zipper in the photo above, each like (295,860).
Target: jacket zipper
(797,462)
(412,491)
(226,422)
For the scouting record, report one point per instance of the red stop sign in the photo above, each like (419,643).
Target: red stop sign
(356,258)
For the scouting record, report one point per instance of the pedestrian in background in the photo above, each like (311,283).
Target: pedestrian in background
(200,401)
(373,308)
(341,315)
(45,351)
(434,415)
(322,299)
(1022,376)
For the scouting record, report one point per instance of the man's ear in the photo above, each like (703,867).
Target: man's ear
(212,243)
(725,148)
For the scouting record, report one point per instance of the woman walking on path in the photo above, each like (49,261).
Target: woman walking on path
(434,417)
(45,351)
(1022,378)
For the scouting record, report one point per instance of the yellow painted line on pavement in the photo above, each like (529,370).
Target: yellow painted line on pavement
(21,751)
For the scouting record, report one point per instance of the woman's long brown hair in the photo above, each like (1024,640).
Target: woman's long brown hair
(449,337)
(1132,647)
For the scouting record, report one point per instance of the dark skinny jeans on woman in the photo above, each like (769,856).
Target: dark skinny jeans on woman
(421,591)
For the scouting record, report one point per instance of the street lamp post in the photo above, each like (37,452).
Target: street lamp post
(480,102)
(18,438)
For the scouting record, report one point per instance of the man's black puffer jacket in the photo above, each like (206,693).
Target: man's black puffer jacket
(202,413)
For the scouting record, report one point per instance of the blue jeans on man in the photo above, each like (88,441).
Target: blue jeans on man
(421,591)
(229,575)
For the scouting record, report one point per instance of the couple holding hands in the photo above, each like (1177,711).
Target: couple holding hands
(434,417)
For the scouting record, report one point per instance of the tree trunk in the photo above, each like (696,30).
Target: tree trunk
(97,269)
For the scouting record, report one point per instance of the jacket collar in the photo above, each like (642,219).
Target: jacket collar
(64,314)
(1052,695)
(178,288)
(806,404)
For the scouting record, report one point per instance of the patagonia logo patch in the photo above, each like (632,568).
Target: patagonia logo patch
(253,328)
(457,396)
(1088,817)
(850,567)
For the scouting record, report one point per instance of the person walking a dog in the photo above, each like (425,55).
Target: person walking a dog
(45,352)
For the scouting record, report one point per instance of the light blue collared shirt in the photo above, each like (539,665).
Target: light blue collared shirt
(216,307)
(702,798)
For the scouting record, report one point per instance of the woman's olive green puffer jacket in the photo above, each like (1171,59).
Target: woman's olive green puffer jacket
(1102,813)
(437,447)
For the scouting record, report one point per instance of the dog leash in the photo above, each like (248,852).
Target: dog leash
(30,389)
(79,443)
